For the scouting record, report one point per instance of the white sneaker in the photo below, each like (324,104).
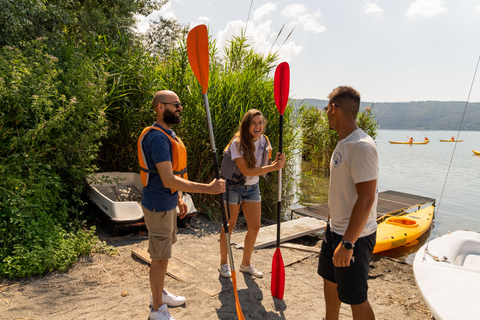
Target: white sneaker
(225,270)
(172,300)
(251,269)
(169,299)
(161,314)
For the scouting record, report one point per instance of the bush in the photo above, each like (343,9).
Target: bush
(242,80)
(319,141)
(51,122)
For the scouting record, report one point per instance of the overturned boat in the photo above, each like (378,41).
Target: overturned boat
(118,196)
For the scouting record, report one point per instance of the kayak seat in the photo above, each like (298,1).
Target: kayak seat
(402,221)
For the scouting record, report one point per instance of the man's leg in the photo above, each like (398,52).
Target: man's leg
(158,270)
(332,303)
(362,311)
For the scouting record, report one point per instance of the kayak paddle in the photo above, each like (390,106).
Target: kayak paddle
(281,87)
(198,55)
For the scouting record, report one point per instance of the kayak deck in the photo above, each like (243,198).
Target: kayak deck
(402,217)
(389,202)
(396,231)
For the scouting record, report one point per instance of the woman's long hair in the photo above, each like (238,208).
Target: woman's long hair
(247,146)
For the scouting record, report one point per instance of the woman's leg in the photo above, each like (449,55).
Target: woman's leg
(253,213)
(234,210)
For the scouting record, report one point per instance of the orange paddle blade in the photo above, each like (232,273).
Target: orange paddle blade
(237,301)
(278,275)
(197,48)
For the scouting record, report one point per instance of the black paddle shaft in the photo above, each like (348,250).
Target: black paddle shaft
(279,203)
(215,163)
(222,204)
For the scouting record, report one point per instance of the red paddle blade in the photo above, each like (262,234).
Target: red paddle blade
(278,275)
(237,301)
(281,86)
(197,48)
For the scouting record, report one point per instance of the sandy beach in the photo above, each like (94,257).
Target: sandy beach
(101,286)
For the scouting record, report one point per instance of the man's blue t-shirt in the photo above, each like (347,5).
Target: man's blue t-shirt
(158,148)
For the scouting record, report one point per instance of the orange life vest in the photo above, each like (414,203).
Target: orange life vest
(179,157)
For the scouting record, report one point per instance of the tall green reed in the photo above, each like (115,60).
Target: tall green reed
(319,141)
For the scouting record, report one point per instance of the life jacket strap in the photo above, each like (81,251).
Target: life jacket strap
(181,172)
(148,170)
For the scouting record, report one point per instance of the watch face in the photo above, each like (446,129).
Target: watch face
(347,245)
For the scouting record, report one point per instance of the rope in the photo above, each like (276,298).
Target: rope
(426,252)
(458,134)
(248,17)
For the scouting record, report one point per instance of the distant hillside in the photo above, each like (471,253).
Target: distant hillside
(419,115)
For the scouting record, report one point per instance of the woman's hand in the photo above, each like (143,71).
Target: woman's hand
(279,162)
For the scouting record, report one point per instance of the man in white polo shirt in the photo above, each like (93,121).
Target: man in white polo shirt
(351,230)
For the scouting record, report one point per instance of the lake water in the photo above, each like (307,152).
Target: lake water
(422,170)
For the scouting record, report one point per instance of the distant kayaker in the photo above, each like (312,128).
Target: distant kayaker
(163,160)
(245,158)
(426,140)
(350,234)
(452,138)
(410,140)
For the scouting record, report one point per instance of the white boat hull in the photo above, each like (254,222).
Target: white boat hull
(447,272)
(118,195)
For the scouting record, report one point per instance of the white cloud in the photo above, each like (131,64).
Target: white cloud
(426,9)
(264,10)
(144,22)
(477,9)
(295,11)
(288,51)
(203,20)
(374,10)
(261,37)
(301,16)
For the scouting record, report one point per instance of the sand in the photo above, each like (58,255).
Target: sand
(101,286)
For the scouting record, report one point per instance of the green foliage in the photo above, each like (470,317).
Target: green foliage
(319,141)
(242,80)
(76,88)
(51,122)
(133,78)
(162,37)
(26,20)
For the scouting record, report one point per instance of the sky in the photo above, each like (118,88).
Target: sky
(389,50)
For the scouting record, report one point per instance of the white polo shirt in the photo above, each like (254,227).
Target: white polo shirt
(354,160)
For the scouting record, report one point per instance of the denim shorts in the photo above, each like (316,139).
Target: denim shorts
(241,193)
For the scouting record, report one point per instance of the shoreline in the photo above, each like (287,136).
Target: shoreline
(100,286)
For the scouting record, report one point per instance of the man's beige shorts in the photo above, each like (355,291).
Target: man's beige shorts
(162,232)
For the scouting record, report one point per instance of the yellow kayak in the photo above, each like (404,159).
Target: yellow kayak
(396,231)
(476,152)
(450,140)
(406,142)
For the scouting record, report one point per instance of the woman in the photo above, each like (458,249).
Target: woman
(246,157)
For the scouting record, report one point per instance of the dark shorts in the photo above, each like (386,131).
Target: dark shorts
(351,281)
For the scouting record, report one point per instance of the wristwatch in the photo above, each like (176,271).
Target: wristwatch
(347,245)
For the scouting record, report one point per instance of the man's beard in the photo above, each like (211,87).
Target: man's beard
(171,118)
